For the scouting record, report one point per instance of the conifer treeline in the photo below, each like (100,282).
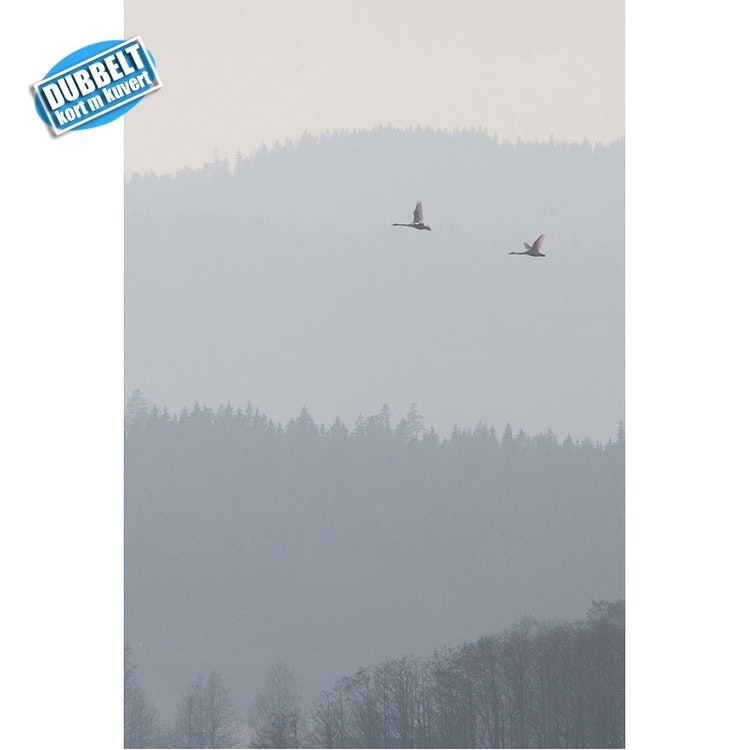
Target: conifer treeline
(377,429)
(344,138)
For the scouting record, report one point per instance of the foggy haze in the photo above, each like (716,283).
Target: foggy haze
(279,280)
(527,70)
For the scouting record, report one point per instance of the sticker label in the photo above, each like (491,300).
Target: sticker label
(98,85)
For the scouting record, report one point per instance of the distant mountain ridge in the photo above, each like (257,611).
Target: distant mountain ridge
(344,179)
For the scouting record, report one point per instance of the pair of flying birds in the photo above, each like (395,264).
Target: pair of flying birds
(418,223)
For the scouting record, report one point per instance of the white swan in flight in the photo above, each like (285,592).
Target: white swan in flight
(532,250)
(418,222)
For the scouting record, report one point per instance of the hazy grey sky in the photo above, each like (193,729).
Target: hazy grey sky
(237,74)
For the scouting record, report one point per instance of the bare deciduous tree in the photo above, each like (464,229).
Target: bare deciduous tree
(205,714)
(140,715)
(275,715)
(329,721)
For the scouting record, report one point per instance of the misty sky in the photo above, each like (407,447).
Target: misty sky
(238,74)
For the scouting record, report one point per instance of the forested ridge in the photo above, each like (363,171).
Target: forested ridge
(341,179)
(334,547)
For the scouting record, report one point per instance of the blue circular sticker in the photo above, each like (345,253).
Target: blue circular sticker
(96,84)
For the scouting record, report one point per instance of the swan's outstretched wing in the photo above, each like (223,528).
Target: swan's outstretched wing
(418,214)
(537,246)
